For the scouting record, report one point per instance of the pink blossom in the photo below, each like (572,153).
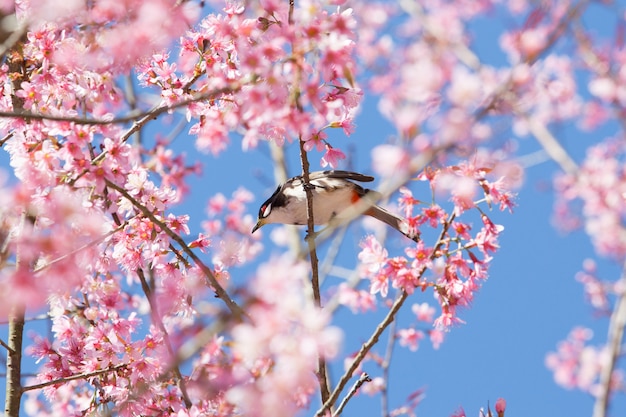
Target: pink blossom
(389,160)
(424,312)
(410,338)
(355,300)
(603,88)
(436,337)
(331,157)
(373,255)
(500,406)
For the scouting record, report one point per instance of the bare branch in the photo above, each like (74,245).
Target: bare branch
(14,388)
(614,343)
(362,380)
(139,119)
(391,342)
(85,376)
(6,346)
(315,283)
(365,348)
(552,146)
(81,248)
(373,340)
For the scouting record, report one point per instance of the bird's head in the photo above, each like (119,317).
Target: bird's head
(267,214)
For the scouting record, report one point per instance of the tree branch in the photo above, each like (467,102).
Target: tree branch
(614,343)
(14,388)
(219,290)
(362,380)
(156,318)
(63,380)
(389,318)
(365,348)
(315,283)
(391,342)
(139,119)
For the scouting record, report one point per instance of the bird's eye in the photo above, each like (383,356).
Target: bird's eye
(265,210)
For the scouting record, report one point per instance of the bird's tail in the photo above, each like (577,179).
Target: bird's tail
(392,220)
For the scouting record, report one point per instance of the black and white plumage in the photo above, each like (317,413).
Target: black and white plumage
(333,192)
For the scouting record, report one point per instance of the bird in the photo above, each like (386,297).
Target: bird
(333,191)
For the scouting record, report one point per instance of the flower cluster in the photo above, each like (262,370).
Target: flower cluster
(576,364)
(255,71)
(236,245)
(600,184)
(49,236)
(457,263)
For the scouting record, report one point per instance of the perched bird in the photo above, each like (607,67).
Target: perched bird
(332,192)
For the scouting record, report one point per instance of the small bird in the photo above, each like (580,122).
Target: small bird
(333,192)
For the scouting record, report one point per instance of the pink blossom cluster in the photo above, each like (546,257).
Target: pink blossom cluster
(49,239)
(277,352)
(229,223)
(116,33)
(456,264)
(577,365)
(255,70)
(600,184)
(436,91)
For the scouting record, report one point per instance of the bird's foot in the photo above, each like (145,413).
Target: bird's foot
(313,235)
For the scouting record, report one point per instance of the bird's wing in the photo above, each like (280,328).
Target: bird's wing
(348,175)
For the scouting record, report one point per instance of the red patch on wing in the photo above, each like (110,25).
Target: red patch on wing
(355,197)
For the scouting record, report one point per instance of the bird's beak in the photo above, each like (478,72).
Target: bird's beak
(258,225)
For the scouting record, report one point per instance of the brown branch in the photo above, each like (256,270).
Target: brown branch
(391,342)
(362,380)
(389,318)
(74,377)
(614,343)
(6,346)
(322,374)
(212,281)
(139,119)
(365,348)
(166,337)
(14,388)
(13,393)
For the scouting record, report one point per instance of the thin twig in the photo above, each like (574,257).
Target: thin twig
(389,318)
(6,346)
(614,343)
(391,342)
(85,375)
(362,380)
(139,118)
(551,145)
(365,348)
